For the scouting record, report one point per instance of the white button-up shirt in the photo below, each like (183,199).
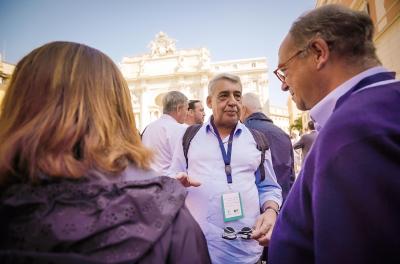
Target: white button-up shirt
(162,136)
(206,165)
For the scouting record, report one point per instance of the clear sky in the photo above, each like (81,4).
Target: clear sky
(230,29)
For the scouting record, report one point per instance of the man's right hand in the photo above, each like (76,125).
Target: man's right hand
(186,180)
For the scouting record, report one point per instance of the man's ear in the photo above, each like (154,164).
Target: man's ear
(180,108)
(320,51)
(209,102)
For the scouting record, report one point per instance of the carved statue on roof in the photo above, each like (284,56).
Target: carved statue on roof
(162,45)
(204,61)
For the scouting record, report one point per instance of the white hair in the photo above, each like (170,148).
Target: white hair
(227,76)
(252,102)
(172,100)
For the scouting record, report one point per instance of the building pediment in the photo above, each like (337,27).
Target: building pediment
(165,60)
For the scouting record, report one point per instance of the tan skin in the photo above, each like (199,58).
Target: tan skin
(199,113)
(196,115)
(313,75)
(226,104)
(225,101)
(245,113)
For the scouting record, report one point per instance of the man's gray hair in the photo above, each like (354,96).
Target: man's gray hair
(252,102)
(223,76)
(348,33)
(172,100)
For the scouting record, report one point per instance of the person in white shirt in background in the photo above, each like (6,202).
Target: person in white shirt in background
(162,135)
(195,113)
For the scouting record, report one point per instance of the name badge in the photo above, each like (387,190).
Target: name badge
(232,206)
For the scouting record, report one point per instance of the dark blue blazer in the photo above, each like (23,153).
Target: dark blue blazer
(281,149)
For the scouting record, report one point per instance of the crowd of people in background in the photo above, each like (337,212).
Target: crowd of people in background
(78,184)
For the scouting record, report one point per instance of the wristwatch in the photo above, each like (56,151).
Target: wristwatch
(271,208)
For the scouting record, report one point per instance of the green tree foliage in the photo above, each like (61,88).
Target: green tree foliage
(297,125)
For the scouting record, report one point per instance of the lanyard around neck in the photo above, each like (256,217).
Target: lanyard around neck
(225,155)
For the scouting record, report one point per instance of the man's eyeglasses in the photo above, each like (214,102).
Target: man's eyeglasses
(279,72)
(231,234)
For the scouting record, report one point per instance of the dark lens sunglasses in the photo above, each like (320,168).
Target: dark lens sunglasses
(231,234)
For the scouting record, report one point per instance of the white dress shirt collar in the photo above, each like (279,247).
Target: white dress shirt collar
(238,128)
(168,117)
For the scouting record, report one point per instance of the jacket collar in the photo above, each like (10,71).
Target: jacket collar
(258,116)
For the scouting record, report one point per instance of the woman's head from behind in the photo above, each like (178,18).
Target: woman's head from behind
(67,110)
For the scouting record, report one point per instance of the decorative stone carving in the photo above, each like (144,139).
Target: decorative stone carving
(162,45)
(180,63)
(204,61)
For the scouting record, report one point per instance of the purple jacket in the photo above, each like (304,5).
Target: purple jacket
(98,221)
(345,205)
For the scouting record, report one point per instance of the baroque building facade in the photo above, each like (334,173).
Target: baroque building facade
(280,116)
(189,71)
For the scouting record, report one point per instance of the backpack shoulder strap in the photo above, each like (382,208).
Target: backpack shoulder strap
(262,145)
(141,135)
(190,132)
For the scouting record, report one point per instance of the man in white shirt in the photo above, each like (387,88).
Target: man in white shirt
(222,163)
(163,134)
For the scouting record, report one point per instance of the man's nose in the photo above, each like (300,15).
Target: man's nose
(284,87)
(232,100)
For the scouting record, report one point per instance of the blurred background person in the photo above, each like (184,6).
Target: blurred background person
(195,113)
(74,175)
(280,144)
(163,134)
(306,140)
(294,137)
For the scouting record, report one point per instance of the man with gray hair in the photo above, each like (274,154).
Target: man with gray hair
(279,141)
(163,135)
(224,163)
(345,204)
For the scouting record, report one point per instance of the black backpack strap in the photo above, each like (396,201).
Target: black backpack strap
(190,132)
(141,135)
(263,146)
